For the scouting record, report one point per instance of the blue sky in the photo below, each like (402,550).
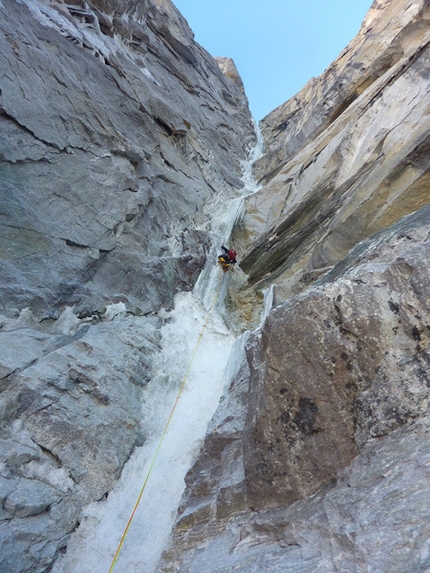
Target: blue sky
(277,45)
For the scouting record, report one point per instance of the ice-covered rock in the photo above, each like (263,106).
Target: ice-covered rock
(118,133)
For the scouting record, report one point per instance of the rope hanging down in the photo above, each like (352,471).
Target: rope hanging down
(166,427)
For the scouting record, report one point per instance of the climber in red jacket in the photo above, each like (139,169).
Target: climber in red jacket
(227,259)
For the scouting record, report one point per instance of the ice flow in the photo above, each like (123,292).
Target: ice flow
(196,347)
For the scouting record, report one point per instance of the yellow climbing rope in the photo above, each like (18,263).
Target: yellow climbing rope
(136,505)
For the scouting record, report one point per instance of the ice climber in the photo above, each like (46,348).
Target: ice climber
(227,259)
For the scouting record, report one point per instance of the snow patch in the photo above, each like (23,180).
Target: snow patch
(22,319)
(114,310)
(67,322)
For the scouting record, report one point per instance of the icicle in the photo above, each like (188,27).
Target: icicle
(267,304)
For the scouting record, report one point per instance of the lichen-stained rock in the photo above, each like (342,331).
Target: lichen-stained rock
(340,366)
(352,160)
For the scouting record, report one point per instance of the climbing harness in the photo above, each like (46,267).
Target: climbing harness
(124,535)
(226,266)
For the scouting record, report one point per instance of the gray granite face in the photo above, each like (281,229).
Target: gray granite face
(118,131)
(114,139)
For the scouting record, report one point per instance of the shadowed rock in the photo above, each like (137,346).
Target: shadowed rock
(118,133)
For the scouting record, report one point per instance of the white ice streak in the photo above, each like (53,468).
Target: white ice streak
(251,186)
(92,547)
(228,214)
(86,35)
(267,303)
(200,361)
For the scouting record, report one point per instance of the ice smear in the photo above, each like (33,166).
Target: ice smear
(88,35)
(224,215)
(268,304)
(251,185)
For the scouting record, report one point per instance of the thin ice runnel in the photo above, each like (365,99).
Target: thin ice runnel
(92,547)
(223,225)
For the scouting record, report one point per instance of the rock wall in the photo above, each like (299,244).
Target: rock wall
(349,153)
(334,394)
(115,137)
(317,459)
(118,131)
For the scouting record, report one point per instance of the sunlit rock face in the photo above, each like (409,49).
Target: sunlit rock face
(317,458)
(346,157)
(118,131)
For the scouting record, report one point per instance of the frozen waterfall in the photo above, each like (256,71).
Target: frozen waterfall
(92,547)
